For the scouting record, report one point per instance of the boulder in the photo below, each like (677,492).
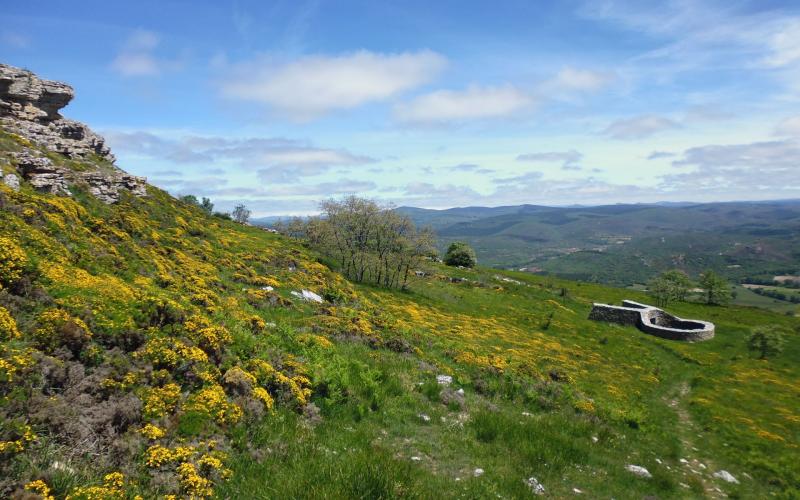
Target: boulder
(726,476)
(638,470)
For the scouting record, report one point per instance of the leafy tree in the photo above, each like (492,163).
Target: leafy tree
(460,254)
(716,288)
(767,340)
(190,199)
(670,286)
(368,242)
(241,214)
(207,205)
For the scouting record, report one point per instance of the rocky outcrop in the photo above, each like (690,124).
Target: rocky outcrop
(107,187)
(29,108)
(25,96)
(43,175)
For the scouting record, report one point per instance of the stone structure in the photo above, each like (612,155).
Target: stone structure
(654,321)
(29,108)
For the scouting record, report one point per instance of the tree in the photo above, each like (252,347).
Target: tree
(207,205)
(190,199)
(717,290)
(669,286)
(367,241)
(460,254)
(241,214)
(767,340)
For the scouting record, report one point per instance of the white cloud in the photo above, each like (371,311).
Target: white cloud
(474,103)
(568,159)
(276,159)
(759,170)
(136,57)
(639,127)
(313,86)
(784,44)
(580,80)
(789,127)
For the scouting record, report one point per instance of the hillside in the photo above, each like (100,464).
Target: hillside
(149,348)
(627,244)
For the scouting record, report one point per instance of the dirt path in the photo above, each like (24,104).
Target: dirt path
(692,464)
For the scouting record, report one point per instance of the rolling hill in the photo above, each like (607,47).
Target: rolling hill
(627,244)
(149,349)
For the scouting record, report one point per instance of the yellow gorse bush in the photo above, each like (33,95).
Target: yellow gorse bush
(12,262)
(8,327)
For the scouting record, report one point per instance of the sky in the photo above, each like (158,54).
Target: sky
(281,104)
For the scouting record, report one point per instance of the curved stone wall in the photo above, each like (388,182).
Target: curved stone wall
(654,321)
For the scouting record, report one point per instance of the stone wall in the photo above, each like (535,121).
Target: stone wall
(654,321)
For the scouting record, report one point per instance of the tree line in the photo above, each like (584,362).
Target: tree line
(675,285)
(369,242)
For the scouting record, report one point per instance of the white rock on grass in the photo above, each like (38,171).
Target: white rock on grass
(307,295)
(444,379)
(638,470)
(424,418)
(535,486)
(478,472)
(726,476)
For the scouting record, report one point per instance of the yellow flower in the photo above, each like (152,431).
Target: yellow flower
(12,261)
(151,431)
(40,488)
(8,327)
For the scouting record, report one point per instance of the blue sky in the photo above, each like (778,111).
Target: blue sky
(434,104)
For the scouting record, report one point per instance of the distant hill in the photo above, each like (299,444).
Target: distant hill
(624,244)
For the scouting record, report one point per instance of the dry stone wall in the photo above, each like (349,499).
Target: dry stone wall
(653,320)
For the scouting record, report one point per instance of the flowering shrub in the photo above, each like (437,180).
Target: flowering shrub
(152,432)
(57,328)
(21,435)
(111,489)
(40,488)
(12,262)
(8,327)
(212,402)
(158,401)
(169,353)
(210,338)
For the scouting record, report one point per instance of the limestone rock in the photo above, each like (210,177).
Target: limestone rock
(42,174)
(726,476)
(107,186)
(28,97)
(11,180)
(29,107)
(536,487)
(638,470)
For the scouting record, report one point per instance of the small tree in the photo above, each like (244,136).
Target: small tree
(207,205)
(767,340)
(669,286)
(716,288)
(190,199)
(241,214)
(460,254)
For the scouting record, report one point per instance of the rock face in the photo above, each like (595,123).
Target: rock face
(29,107)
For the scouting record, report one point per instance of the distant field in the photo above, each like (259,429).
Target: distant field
(746,297)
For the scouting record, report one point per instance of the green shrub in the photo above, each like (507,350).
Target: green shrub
(460,254)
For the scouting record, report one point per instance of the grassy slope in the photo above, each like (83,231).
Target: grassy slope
(547,393)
